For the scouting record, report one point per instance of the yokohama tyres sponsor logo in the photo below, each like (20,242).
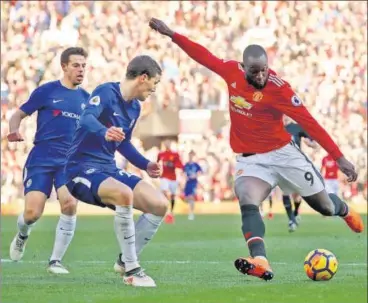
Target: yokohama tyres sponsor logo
(57,112)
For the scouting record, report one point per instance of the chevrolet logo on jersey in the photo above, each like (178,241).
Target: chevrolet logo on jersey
(240,102)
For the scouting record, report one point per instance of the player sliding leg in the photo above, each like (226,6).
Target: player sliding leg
(154,206)
(113,192)
(251,192)
(289,211)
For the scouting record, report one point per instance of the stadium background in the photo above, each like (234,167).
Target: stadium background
(319,47)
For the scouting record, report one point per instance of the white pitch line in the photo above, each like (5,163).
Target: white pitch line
(165,262)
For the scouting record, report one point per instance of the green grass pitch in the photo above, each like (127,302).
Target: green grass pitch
(191,262)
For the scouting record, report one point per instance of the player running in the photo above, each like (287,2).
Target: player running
(330,173)
(297,134)
(191,170)
(267,156)
(106,126)
(170,161)
(59,105)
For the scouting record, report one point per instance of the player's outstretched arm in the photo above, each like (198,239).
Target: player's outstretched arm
(14,124)
(196,51)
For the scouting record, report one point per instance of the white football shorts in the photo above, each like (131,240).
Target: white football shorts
(168,185)
(287,167)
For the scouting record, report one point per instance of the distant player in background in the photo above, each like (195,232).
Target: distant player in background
(191,170)
(330,172)
(297,134)
(170,162)
(59,105)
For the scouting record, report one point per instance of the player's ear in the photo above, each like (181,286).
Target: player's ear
(143,78)
(63,66)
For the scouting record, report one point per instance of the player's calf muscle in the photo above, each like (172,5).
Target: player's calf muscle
(68,203)
(34,206)
(322,203)
(114,192)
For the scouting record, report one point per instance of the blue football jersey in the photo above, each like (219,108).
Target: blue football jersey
(106,108)
(59,110)
(191,169)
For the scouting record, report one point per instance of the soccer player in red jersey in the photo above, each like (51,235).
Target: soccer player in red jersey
(170,162)
(330,172)
(267,157)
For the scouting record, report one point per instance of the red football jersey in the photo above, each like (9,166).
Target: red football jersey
(256,115)
(330,168)
(170,161)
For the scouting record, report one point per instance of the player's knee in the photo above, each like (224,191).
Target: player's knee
(122,196)
(161,207)
(31,215)
(68,206)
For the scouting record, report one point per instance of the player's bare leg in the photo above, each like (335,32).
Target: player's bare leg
(270,213)
(289,211)
(64,230)
(154,205)
(297,201)
(191,202)
(169,219)
(251,191)
(113,192)
(331,205)
(34,205)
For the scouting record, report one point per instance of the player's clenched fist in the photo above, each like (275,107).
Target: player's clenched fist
(15,137)
(115,134)
(161,27)
(348,169)
(154,170)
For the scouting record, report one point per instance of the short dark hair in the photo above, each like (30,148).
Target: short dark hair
(65,55)
(254,50)
(141,65)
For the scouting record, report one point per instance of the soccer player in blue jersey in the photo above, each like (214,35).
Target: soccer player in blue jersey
(191,170)
(59,105)
(105,127)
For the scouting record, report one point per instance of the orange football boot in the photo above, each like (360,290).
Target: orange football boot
(354,221)
(257,267)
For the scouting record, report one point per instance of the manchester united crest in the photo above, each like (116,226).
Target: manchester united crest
(257,96)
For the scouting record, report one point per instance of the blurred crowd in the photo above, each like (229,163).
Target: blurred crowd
(319,47)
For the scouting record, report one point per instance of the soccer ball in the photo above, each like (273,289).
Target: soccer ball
(320,265)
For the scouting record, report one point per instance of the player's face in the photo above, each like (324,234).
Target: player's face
(147,86)
(75,69)
(256,71)
(167,144)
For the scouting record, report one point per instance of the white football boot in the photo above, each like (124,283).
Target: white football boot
(55,267)
(17,247)
(119,266)
(138,278)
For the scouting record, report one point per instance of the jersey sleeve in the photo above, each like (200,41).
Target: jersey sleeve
(36,101)
(98,101)
(203,56)
(199,168)
(291,105)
